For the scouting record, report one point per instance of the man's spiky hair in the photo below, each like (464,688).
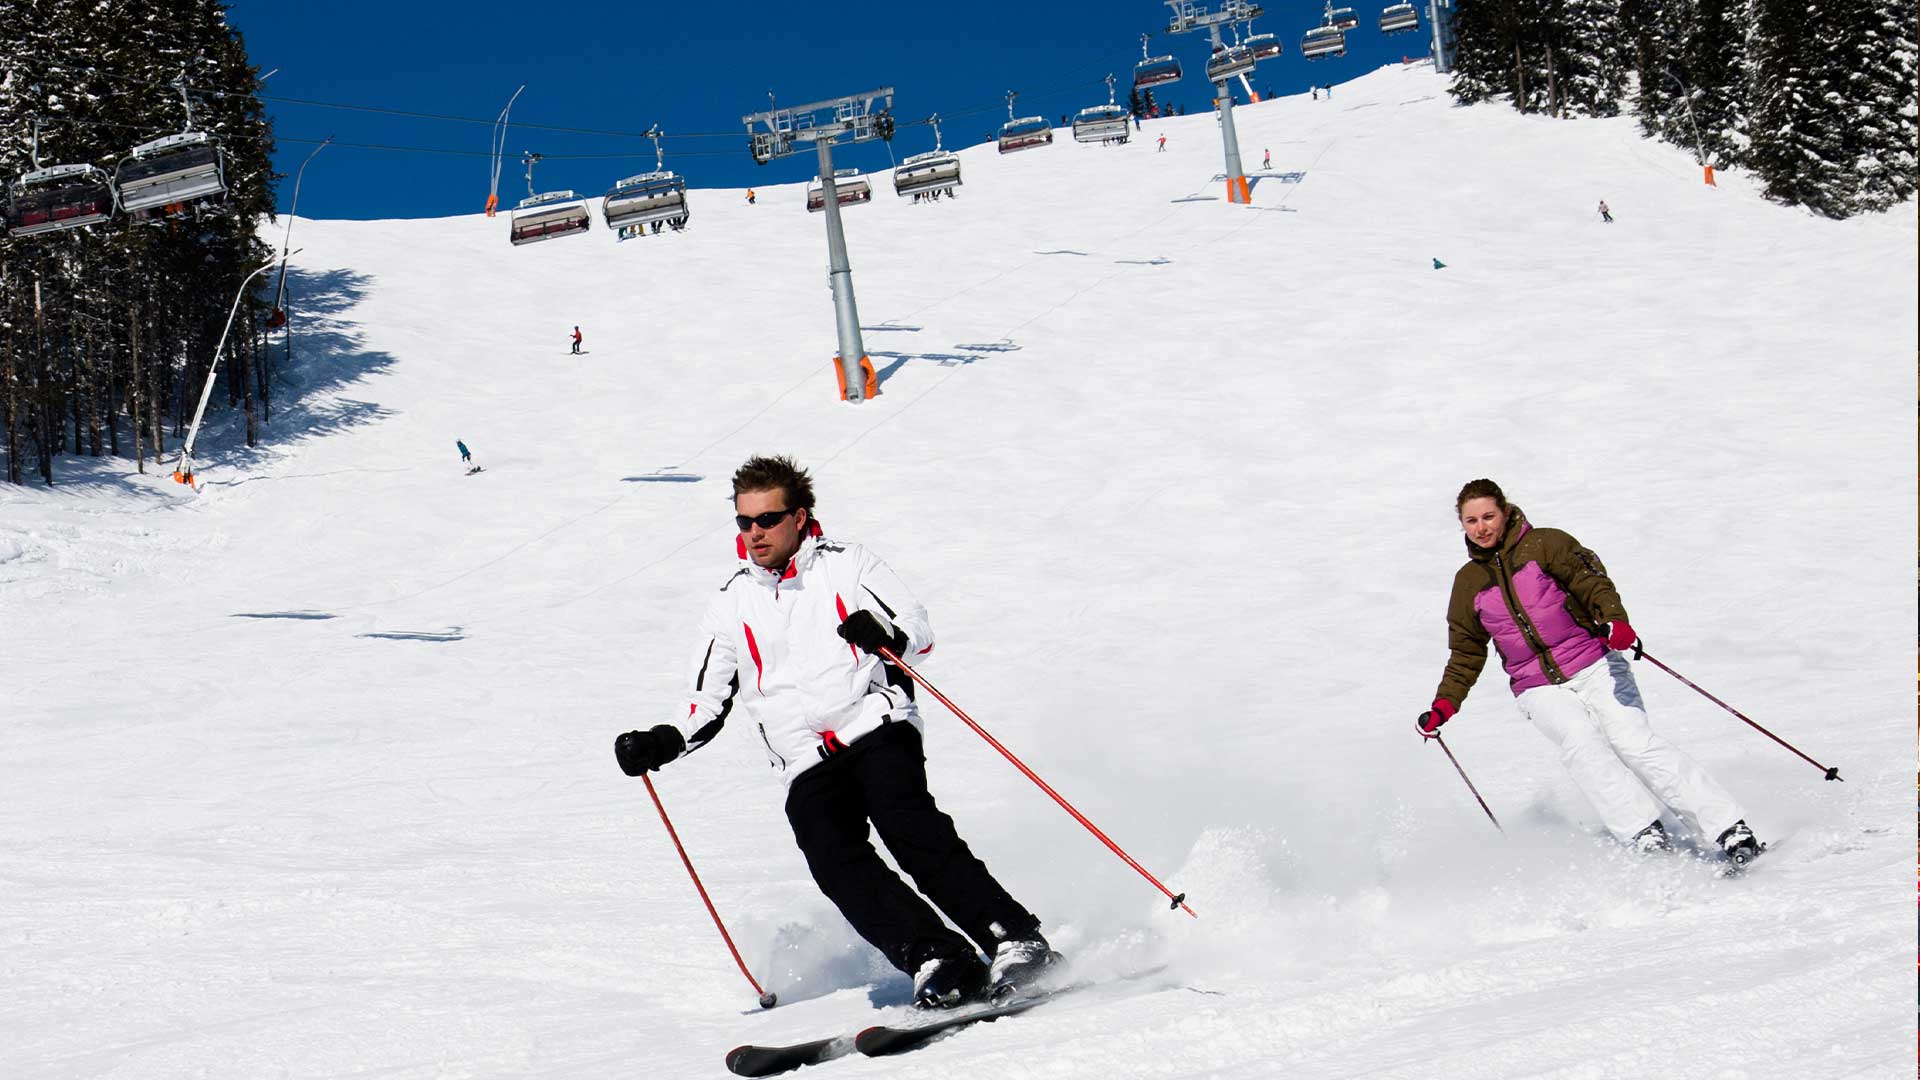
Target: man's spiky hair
(781,474)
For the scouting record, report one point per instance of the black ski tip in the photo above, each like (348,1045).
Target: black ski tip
(1834,774)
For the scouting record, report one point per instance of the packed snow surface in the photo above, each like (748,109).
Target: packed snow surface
(309,774)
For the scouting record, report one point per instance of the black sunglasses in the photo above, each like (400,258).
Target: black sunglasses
(766,521)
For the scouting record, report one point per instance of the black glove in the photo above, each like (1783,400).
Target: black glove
(865,631)
(639,751)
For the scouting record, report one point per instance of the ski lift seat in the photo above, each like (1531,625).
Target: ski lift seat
(645,199)
(1399,18)
(1228,62)
(1025,133)
(1264,46)
(1342,19)
(548,215)
(933,171)
(168,174)
(59,198)
(1100,123)
(1156,70)
(1324,41)
(849,187)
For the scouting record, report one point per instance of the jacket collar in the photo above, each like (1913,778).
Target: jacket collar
(808,545)
(1517,527)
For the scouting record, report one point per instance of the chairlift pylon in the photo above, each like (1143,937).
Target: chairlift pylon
(549,214)
(1023,132)
(934,173)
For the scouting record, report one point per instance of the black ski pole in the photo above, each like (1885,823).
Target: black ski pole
(1832,773)
(1470,787)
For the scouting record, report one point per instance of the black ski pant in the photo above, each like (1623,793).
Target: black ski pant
(882,778)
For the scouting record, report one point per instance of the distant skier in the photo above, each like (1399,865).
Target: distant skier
(792,641)
(576,330)
(466,456)
(1266,162)
(1606,215)
(749,196)
(1549,606)
(1316,93)
(1163,143)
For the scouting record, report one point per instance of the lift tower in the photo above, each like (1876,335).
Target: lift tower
(823,123)
(1188,17)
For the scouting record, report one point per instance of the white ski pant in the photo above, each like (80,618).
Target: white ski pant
(1627,771)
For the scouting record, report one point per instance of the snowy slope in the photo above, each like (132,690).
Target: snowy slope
(309,775)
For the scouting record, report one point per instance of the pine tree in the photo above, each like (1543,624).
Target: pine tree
(1798,115)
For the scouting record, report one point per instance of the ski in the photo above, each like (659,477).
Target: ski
(894,1039)
(753,1060)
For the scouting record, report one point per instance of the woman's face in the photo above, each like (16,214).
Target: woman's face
(1484,521)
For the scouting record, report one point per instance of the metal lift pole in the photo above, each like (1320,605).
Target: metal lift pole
(1188,17)
(846,314)
(1436,21)
(1237,190)
(823,123)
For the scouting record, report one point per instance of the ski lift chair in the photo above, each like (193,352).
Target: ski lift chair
(166,177)
(645,199)
(1025,133)
(1323,41)
(849,188)
(549,215)
(930,173)
(1100,123)
(1399,18)
(59,198)
(1228,62)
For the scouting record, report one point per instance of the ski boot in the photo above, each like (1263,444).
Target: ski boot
(1021,963)
(944,980)
(1652,839)
(1739,846)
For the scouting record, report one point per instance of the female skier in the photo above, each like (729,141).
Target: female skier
(1549,606)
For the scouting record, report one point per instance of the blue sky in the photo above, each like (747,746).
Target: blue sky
(622,67)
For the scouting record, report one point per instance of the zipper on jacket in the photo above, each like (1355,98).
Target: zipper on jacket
(1526,625)
(775,754)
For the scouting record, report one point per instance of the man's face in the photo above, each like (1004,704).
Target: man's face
(770,546)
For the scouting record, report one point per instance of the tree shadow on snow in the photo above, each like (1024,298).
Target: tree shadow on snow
(329,352)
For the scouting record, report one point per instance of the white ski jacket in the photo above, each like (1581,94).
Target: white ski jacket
(768,644)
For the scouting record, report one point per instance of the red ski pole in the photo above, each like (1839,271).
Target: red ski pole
(767,1000)
(1179,899)
(1832,773)
(1470,787)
